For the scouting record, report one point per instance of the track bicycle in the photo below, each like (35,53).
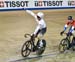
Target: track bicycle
(66,43)
(29,46)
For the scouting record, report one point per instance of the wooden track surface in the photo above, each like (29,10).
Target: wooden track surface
(14,24)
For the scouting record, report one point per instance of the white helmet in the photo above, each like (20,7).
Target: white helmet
(40,14)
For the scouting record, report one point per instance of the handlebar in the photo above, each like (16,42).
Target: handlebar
(67,34)
(27,35)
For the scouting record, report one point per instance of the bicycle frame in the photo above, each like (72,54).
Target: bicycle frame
(31,40)
(65,43)
(68,37)
(29,46)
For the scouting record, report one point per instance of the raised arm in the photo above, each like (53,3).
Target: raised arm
(31,13)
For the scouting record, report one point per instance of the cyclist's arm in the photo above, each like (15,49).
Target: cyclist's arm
(37,29)
(65,27)
(31,13)
(72,29)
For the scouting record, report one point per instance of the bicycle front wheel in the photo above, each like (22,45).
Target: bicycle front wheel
(64,45)
(26,49)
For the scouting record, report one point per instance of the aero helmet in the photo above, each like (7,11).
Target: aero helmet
(69,17)
(40,14)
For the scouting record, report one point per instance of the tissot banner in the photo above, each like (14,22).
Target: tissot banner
(35,4)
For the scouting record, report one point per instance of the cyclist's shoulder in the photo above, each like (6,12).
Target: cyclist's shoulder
(73,20)
(67,21)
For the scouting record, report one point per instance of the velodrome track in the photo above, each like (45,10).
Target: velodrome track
(14,24)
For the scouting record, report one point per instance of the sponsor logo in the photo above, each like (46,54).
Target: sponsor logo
(48,3)
(6,4)
(1,4)
(14,3)
(71,3)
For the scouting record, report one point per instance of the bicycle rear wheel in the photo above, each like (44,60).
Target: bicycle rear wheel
(64,45)
(73,44)
(26,49)
(41,48)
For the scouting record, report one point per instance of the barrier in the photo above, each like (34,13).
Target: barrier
(9,5)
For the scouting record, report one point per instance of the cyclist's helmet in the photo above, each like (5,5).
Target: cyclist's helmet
(69,17)
(40,14)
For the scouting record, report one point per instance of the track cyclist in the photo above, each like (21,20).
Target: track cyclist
(41,25)
(71,25)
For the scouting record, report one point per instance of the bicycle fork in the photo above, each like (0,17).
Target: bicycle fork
(32,46)
(69,44)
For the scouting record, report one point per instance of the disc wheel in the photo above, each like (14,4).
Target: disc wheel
(41,49)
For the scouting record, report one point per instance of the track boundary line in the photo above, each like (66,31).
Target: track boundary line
(53,54)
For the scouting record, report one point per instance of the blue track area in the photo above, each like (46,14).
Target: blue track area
(48,8)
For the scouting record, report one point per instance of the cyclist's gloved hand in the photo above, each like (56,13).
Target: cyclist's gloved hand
(69,34)
(61,33)
(32,35)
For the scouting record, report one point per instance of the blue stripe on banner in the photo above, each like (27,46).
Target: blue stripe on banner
(37,8)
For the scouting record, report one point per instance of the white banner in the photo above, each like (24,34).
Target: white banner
(35,4)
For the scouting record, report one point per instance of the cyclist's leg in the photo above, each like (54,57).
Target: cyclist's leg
(41,33)
(34,43)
